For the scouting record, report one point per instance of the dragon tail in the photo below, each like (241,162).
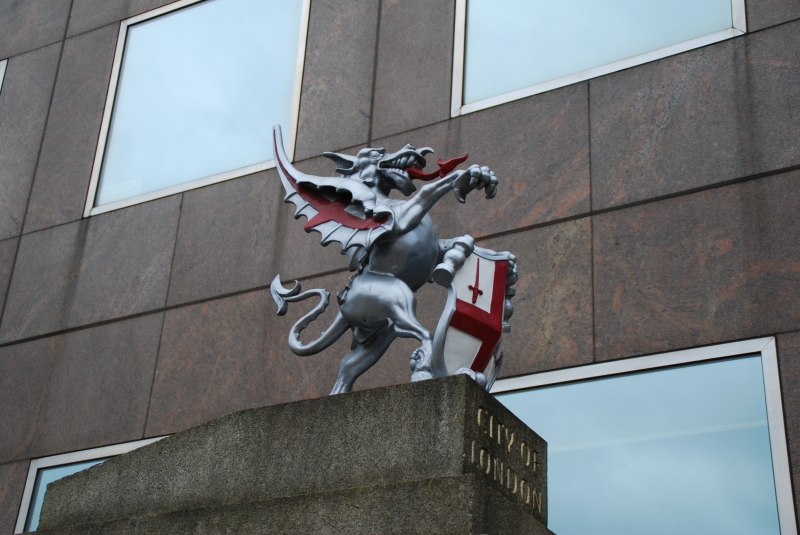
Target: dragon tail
(283,297)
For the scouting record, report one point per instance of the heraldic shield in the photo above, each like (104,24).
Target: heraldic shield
(469,335)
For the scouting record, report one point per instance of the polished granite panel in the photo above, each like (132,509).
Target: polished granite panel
(789,363)
(711,115)
(414,68)
(29,24)
(24,100)
(231,354)
(98,386)
(337,78)
(539,149)
(765,13)
(24,372)
(88,15)
(8,252)
(78,390)
(97,269)
(704,268)
(12,483)
(70,139)
(552,322)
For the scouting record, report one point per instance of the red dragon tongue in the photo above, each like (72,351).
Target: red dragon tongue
(444,168)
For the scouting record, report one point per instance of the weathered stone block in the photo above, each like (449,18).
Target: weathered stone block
(439,456)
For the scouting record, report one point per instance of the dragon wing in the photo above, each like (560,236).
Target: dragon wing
(342,210)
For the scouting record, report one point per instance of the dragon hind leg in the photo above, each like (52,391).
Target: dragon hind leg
(407,326)
(361,357)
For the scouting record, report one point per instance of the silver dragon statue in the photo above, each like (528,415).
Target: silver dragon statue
(394,250)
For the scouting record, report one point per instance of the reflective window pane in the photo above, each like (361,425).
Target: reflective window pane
(3,65)
(677,450)
(199,91)
(513,44)
(45,476)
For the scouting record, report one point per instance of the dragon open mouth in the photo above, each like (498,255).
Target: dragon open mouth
(407,157)
(403,162)
(395,167)
(409,162)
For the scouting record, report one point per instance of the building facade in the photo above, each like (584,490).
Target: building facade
(651,209)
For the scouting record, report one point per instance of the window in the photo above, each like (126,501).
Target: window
(48,469)
(2,72)
(195,89)
(511,49)
(689,442)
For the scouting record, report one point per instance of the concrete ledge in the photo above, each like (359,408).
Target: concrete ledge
(444,506)
(399,436)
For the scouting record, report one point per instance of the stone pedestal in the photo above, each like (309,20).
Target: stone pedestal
(438,456)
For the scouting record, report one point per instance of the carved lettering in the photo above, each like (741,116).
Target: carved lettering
(537,500)
(485,461)
(505,473)
(529,495)
(525,454)
(511,473)
(509,440)
(525,491)
(500,428)
(498,470)
(481,416)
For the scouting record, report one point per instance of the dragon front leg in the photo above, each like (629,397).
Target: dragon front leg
(409,214)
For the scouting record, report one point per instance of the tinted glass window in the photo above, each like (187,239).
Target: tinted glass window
(198,93)
(676,450)
(513,44)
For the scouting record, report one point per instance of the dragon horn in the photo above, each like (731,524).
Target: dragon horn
(284,165)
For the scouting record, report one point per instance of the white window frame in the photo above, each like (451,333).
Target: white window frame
(91,210)
(3,65)
(772,389)
(457,107)
(69,458)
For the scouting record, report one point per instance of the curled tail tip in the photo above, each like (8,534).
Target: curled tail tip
(279,293)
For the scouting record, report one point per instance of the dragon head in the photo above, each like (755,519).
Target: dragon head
(375,168)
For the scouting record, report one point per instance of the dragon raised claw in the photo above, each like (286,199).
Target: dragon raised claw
(391,243)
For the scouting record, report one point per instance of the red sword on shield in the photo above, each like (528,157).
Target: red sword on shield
(475,290)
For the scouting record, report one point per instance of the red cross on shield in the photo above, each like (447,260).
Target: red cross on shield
(470,332)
